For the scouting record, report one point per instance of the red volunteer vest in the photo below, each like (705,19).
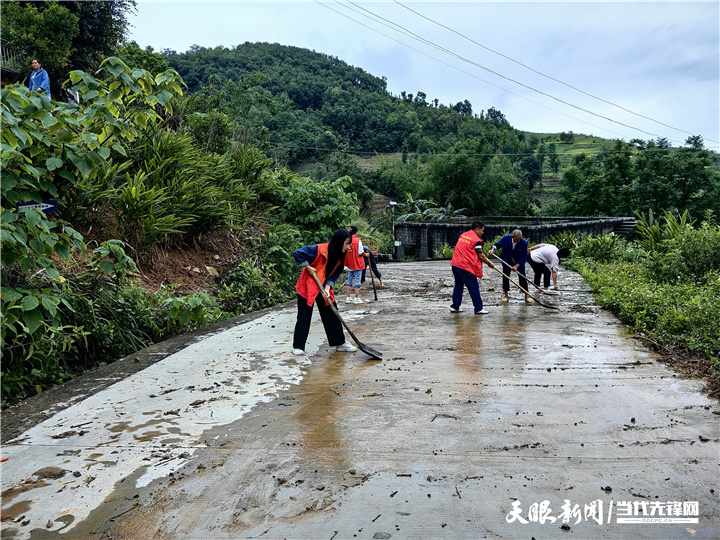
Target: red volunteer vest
(306,285)
(465,256)
(352,260)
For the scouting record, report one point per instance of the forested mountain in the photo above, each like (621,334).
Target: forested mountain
(302,105)
(313,93)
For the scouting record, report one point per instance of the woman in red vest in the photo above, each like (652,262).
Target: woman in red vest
(326,262)
(467,267)
(355,263)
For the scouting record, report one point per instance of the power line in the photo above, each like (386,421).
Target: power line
(462,58)
(385,22)
(543,74)
(470,74)
(631,151)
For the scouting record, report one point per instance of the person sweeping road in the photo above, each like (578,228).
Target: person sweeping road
(324,261)
(467,267)
(514,252)
(542,256)
(355,264)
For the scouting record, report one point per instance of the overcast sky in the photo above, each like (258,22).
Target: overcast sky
(658,60)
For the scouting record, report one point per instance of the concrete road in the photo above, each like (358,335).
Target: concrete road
(524,423)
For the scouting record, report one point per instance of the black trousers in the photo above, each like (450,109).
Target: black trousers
(507,269)
(332,325)
(540,271)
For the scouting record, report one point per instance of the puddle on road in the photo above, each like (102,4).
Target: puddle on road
(16,511)
(199,374)
(320,414)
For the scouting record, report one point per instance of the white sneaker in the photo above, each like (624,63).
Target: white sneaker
(298,352)
(453,310)
(346,347)
(348,300)
(358,300)
(482,312)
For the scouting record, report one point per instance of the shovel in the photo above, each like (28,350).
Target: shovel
(549,293)
(372,276)
(364,348)
(526,278)
(523,290)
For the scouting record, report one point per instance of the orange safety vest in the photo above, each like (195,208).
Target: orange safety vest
(465,256)
(352,260)
(306,285)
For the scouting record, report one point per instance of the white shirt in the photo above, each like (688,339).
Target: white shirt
(546,254)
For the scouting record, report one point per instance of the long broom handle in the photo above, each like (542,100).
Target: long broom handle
(523,290)
(372,277)
(334,309)
(533,283)
(521,274)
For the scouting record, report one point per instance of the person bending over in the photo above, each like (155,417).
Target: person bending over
(545,261)
(324,261)
(513,255)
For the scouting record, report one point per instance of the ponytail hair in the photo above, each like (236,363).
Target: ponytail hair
(335,250)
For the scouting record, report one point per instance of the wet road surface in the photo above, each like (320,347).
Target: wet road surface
(526,422)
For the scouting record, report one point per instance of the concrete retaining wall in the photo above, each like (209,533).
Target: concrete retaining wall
(421,239)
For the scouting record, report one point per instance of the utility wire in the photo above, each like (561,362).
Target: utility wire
(462,58)
(470,74)
(543,74)
(630,151)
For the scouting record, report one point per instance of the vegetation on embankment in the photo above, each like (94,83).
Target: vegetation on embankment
(143,171)
(665,284)
(117,168)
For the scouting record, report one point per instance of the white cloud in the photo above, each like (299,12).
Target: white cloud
(660,59)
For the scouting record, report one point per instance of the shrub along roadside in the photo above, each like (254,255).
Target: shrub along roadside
(115,168)
(685,315)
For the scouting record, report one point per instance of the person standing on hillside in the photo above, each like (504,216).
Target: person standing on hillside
(39,79)
(542,256)
(466,264)
(324,261)
(355,264)
(513,254)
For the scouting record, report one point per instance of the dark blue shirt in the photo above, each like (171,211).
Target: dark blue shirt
(307,254)
(508,254)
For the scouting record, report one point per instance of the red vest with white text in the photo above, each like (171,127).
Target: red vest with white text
(352,260)
(306,285)
(465,256)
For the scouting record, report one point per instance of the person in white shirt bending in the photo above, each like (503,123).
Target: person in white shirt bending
(542,256)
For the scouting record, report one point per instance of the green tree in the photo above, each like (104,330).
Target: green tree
(102,24)
(48,148)
(643,176)
(146,58)
(530,170)
(39,31)
(553,158)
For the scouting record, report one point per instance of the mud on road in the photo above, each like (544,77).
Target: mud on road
(526,422)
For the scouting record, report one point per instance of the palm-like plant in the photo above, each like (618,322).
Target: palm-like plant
(652,233)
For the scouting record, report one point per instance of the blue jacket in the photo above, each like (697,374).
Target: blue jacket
(519,255)
(307,254)
(40,79)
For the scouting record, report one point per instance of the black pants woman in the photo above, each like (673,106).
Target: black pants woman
(320,263)
(541,272)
